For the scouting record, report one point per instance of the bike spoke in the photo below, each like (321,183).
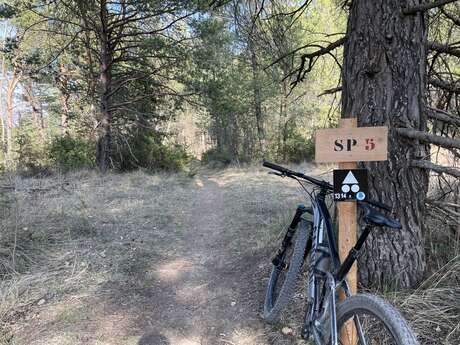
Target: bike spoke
(359,330)
(368,330)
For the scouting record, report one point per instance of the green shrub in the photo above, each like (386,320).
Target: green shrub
(69,153)
(145,150)
(297,148)
(214,155)
(31,154)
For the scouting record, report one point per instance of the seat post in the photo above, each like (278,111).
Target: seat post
(352,255)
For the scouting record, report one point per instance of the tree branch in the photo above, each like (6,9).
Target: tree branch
(301,71)
(443,116)
(443,48)
(329,91)
(426,6)
(319,52)
(452,87)
(152,32)
(453,18)
(436,168)
(429,138)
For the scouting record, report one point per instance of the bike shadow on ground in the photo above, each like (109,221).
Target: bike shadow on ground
(153,338)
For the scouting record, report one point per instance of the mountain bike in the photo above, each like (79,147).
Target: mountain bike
(361,319)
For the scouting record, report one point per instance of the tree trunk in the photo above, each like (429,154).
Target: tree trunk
(384,84)
(11,87)
(37,110)
(91,81)
(2,104)
(257,96)
(282,122)
(63,86)
(104,143)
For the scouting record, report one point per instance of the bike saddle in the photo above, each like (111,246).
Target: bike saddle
(377,218)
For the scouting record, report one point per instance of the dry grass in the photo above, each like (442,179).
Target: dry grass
(63,237)
(434,308)
(76,254)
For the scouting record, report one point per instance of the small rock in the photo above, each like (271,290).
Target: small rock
(233,304)
(41,302)
(438,329)
(102,254)
(287,331)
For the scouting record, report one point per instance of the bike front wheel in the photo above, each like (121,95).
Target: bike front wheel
(282,280)
(366,319)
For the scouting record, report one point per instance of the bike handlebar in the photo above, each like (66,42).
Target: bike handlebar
(320,183)
(291,173)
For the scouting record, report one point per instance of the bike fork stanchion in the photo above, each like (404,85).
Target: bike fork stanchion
(276,261)
(333,316)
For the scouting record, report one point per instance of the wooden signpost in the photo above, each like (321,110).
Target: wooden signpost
(348,145)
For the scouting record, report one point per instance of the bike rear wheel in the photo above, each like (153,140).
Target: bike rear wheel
(281,283)
(381,323)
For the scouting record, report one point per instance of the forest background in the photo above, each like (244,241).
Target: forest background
(182,81)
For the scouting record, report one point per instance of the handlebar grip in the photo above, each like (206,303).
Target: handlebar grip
(275,167)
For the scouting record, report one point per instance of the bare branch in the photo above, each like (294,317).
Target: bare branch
(444,48)
(436,168)
(330,91)
(321,51)
(429,138)
(453,18)
(445,203)
(452,87)
(151,32)
(426,6)
(301,71)
(443,116)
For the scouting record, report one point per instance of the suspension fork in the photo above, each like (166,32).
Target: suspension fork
(278,259)
(331,286)
(312,285)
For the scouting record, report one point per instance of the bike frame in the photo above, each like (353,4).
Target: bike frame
(322,281)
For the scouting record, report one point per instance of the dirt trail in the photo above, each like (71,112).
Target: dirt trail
(203,301)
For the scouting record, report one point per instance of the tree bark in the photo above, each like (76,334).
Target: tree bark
(384,84)
(104,142)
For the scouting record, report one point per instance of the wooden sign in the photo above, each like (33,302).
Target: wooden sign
(351,144)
